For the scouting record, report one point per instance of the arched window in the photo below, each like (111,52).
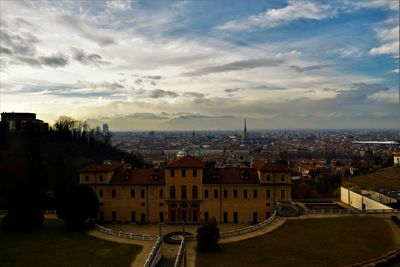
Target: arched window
(172,192)
(183,192)
(195,194)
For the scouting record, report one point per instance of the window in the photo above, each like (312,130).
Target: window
(132,193)
(282,178)
(183,192)
(268,204)
(100,193)
(206,216)
(268,193)
(114,216)
(206,193)
(143,217)
(225,193)
(101,178)
(283,194)
(255,193)
(161,204)
(235,193)
(216,193)
(255,217)
(172,192)
(244,193)
(86,178)
(194,173)
(161,216)
(142,193)
(267,215)
(195,192)
(225,217)
(133,216)
(161,193)
(172,173)
(113,193)
(268,178)
(183,173)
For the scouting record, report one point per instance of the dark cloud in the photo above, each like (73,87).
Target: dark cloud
(84,31)
(309,68)
(237,65)
(155,77)
(159,93)
(54,61)
(87,59)
(4,50)
(232,90)
(20,44)
(194,94)
(138,81)
(21,49)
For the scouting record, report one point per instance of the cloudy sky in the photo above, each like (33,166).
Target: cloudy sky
(282,64)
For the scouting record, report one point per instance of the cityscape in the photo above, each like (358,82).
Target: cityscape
(199,133)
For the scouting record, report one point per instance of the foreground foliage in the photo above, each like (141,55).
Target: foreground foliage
(208,236)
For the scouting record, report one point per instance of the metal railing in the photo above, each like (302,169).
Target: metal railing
(155,254)
(179,255)
(380,211)
(241,230)
(126,235)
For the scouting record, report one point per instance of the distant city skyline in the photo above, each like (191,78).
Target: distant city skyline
(203,65)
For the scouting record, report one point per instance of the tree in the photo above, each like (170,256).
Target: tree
(208,236)
(77,205)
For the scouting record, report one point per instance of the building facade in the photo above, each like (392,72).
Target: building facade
(188,190)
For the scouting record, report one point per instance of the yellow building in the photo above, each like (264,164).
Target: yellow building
(186,190)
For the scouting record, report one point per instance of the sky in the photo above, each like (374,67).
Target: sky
(280,64)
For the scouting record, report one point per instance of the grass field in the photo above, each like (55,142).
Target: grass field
(308,242)
(52,246)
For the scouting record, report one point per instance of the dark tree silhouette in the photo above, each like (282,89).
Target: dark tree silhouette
(77,205)
(208,236)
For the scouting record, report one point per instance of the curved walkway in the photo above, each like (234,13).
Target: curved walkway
(140,258)
(191,246)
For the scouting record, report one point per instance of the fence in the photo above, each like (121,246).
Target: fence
(155,255)
(383,211)
(127,235)
(241,230)
(179,255)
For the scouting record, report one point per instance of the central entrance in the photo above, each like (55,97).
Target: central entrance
(183,211)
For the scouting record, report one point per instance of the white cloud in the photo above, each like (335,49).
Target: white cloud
(119,5)
(295,10)
(389,37)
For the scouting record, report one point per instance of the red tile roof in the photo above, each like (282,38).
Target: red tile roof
(231,175)
(261,165)
(186,162)
(113,165)
(138,177)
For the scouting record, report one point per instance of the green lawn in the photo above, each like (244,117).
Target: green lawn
(52,246)
(308,242)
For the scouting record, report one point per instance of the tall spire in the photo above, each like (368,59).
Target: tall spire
(244,136)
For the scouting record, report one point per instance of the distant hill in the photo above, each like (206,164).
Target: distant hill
(176,122)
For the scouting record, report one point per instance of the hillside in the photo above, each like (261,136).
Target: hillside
(385,178)
(44,163)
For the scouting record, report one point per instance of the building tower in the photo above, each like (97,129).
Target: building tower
(105,129)
(244,136)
